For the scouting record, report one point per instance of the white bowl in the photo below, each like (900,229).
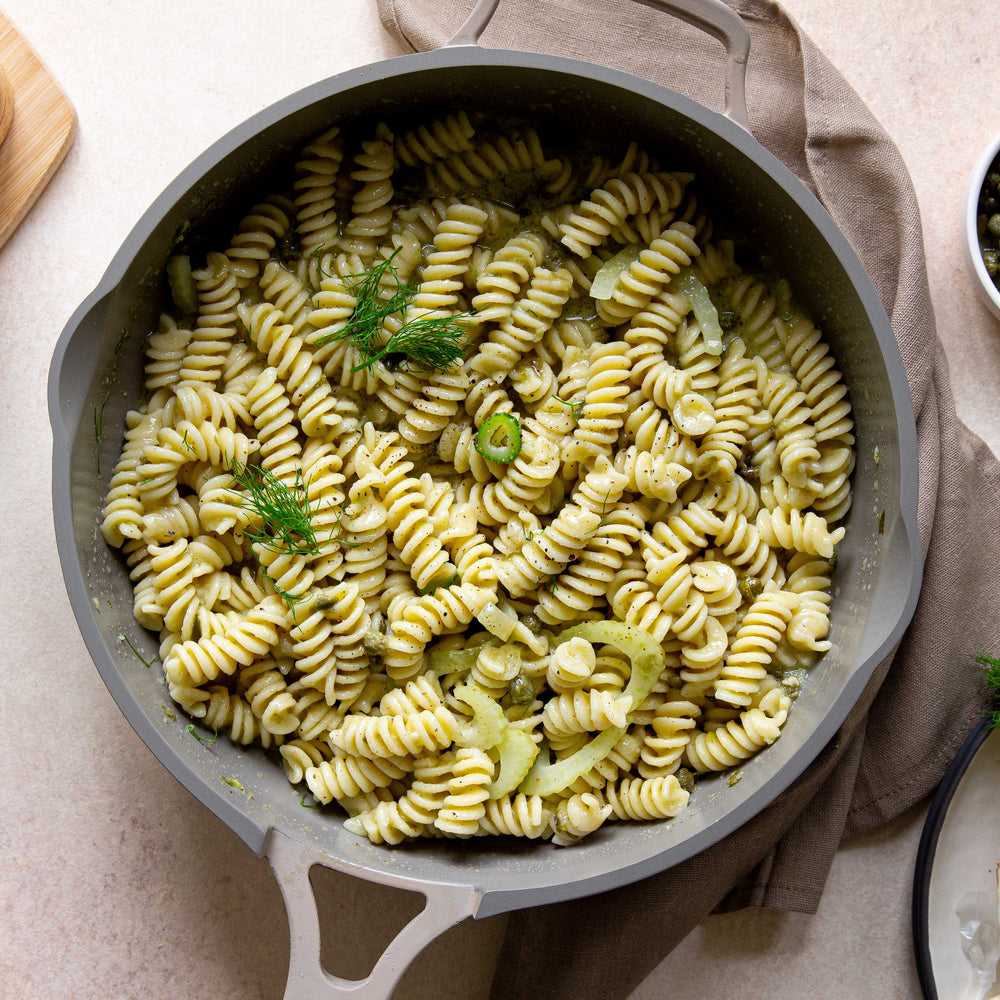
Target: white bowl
(971,243)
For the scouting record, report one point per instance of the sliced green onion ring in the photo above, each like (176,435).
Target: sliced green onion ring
(499,438)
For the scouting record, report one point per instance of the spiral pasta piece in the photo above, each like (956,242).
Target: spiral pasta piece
(495,668)
(473,556)
(426,616)
(810,579)
(806,533)
(582,711)
(507,275)
(692,357)
(270,701)
(529,320)
(795,435)
(577,817)
(384,824)
(289,355)
(678,539)
(753,646)
(736,741)
(526,480)
(345,776)
(646,799)
(371,214)
(194,662)
(465,804)
(747,547)
(649,273)
(511,152)
(434,408)
(315,191)
(587,580)
(550,552)
(122,516)
(651,332)
(634,602)
(226,710)
(363,536)
(316,716)
(165,351)
(435,141)
(603,414)
(412,529)
(410,735)
(218,295)
(258,234)
(274,420)
(651,475)
(672,726)
(419,694)
(298,755)
(738,399)
(609,206)
(517,815)
(571,665)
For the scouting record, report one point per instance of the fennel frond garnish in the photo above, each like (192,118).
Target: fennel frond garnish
(992,676)
(142,659)
(431,341)
(284,513)
(204,739)
(575,405)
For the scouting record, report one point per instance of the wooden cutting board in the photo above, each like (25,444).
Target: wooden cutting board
(41,129)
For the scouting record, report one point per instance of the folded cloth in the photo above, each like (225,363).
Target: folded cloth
(923,700)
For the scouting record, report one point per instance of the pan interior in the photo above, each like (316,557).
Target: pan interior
(738,182)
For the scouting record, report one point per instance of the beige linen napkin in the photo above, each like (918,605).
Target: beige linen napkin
(923,701)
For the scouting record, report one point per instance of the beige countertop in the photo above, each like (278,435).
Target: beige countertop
(114,881)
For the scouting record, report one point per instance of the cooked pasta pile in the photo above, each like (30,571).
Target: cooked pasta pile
(389,570)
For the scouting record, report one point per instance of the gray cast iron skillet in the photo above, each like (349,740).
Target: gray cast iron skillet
(97,369)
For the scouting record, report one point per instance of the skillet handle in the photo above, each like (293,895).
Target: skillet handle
(711,16)
(291,861)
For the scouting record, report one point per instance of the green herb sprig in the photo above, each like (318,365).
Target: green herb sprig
(604,510)
(204,739)
(99,426)
(292,600)
(429,342)
(284,512)
(992,676)
(138,655)
(337,531)
(575,405)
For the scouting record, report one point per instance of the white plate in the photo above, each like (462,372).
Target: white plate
(959,851)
